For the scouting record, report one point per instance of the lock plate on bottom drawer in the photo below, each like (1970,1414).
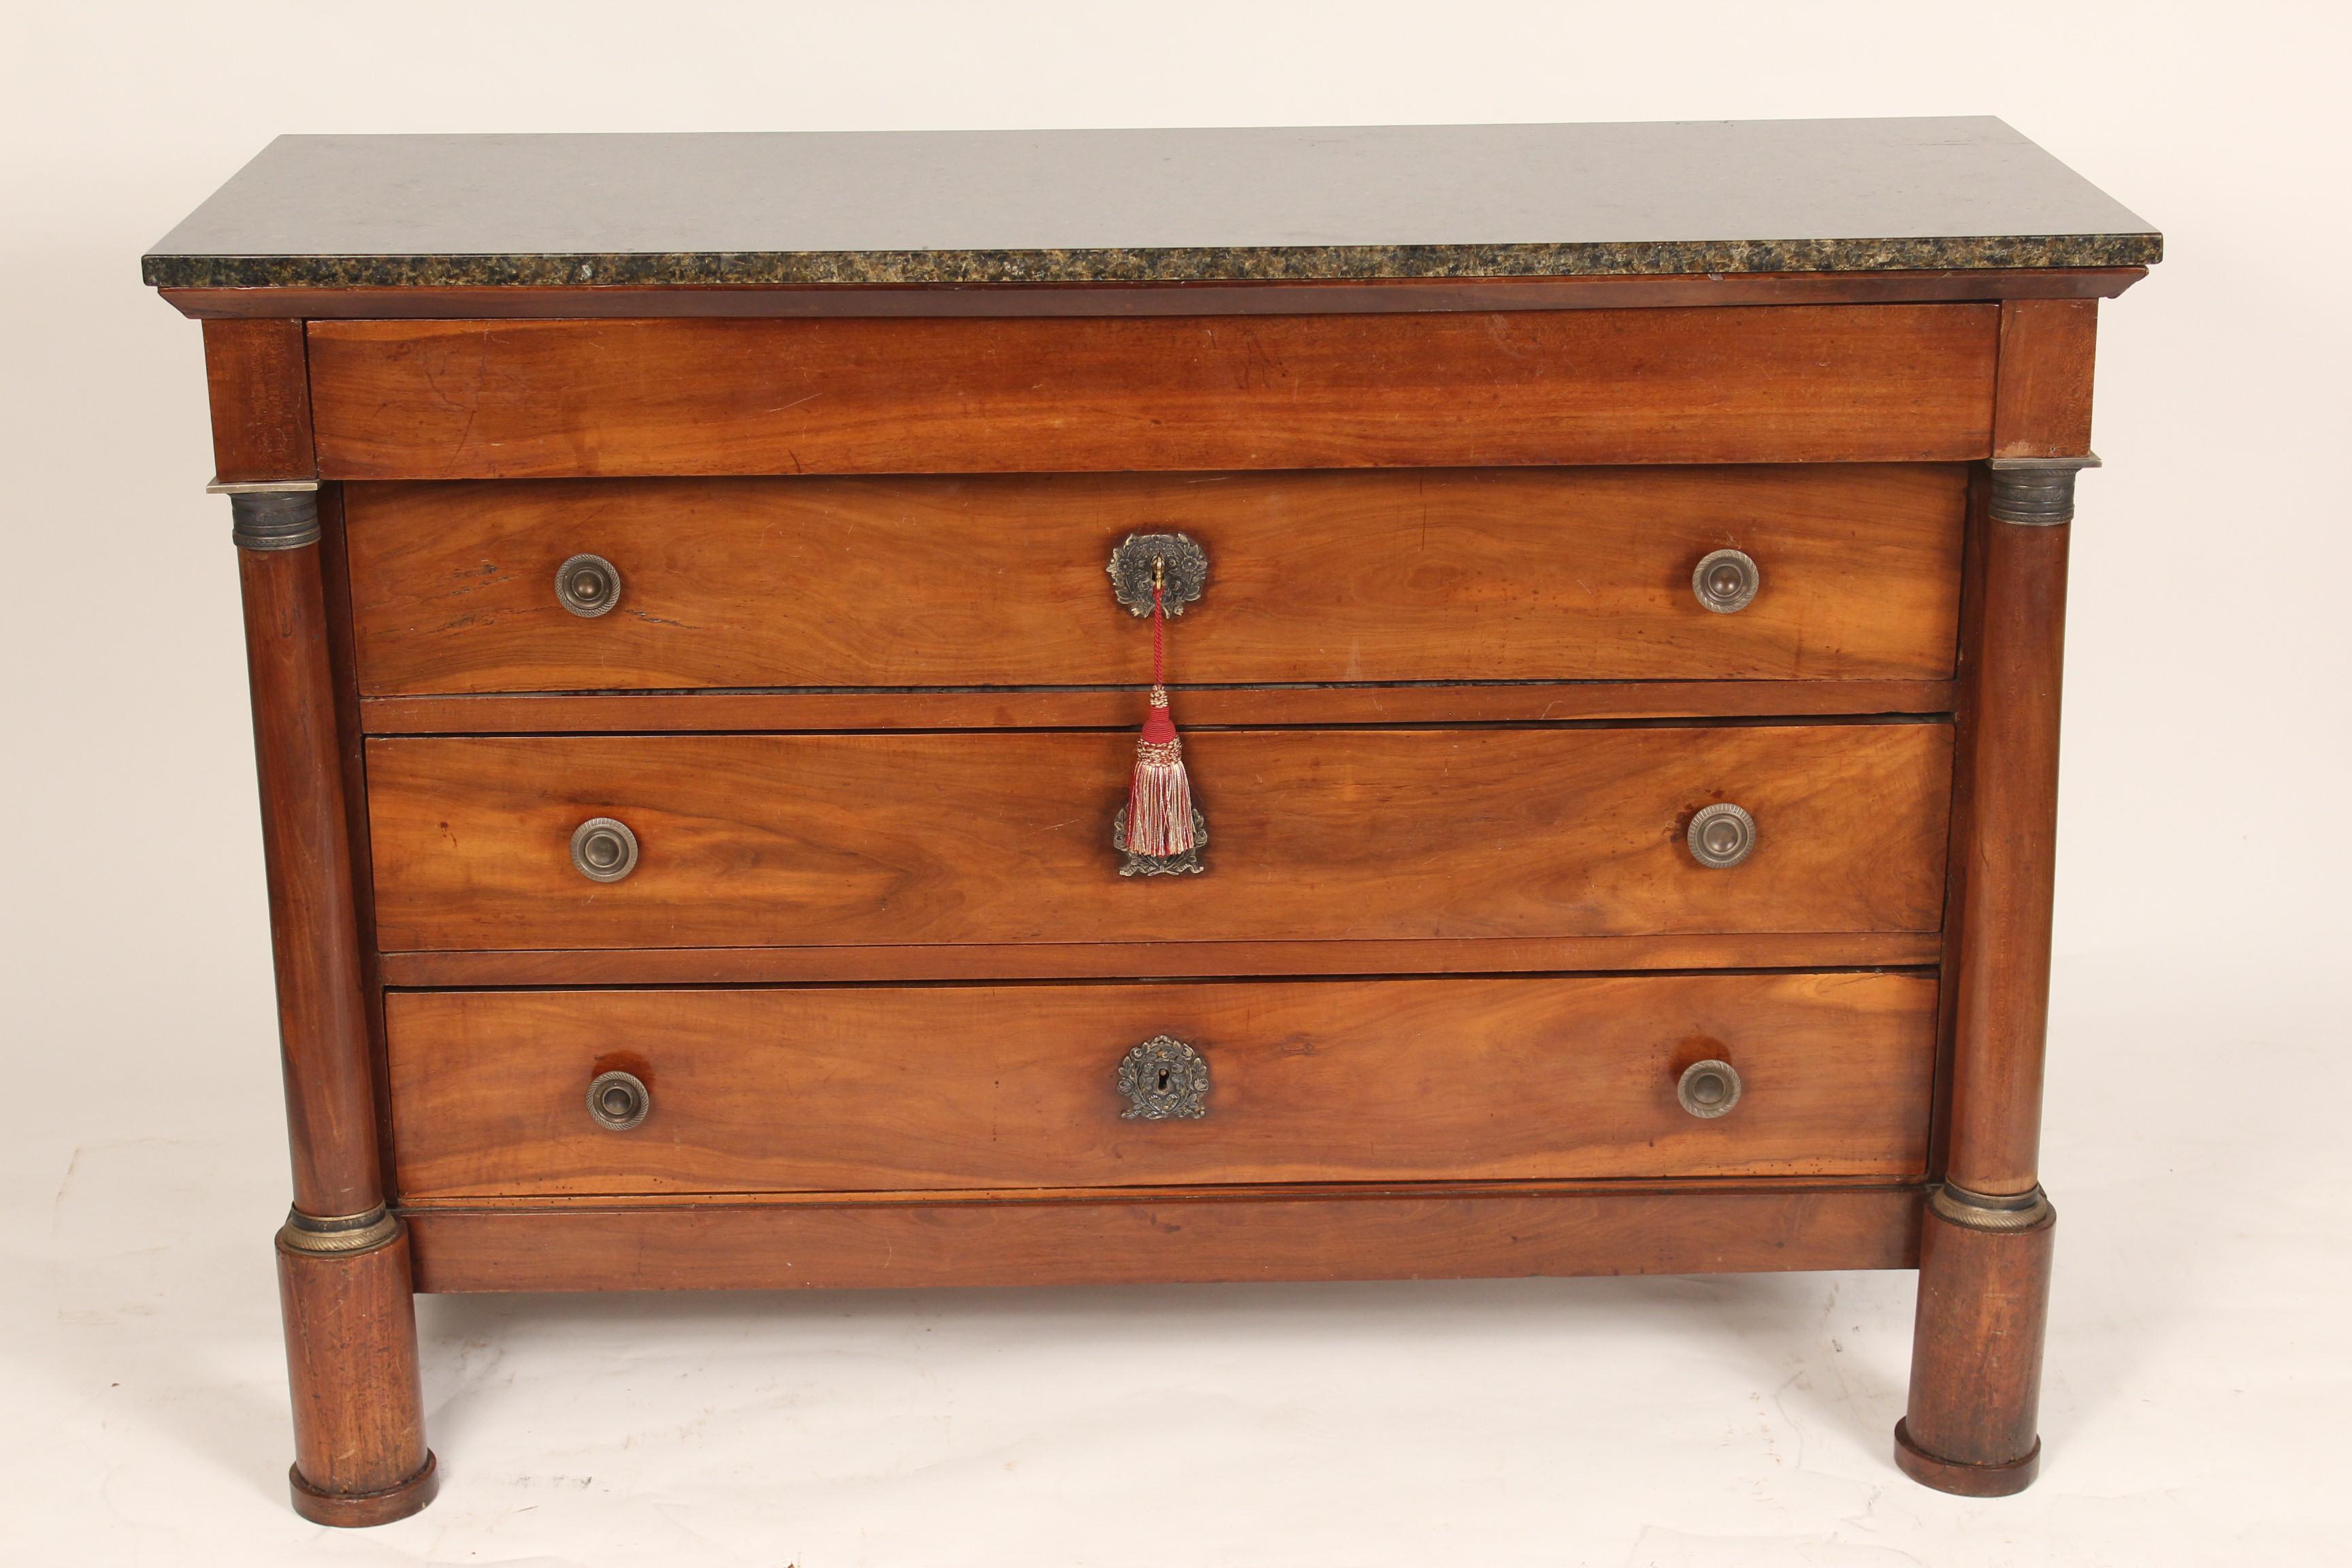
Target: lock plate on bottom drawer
(1163,1079)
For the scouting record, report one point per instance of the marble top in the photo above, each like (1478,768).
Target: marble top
(1082,206)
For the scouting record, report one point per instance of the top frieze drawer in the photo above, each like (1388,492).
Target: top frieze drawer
(1783,384)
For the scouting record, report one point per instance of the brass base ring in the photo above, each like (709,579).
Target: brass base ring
(1983,1211)
(332,1235)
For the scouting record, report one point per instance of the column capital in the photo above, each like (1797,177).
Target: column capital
(270,514)
(2036,492)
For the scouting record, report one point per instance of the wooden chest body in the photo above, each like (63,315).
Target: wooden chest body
(1455,970)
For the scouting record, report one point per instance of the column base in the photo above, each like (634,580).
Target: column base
(1960,1479)
(1976,1347)
(357,1510)
(359,1456)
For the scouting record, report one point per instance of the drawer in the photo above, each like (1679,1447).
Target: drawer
(1436,575)
(558,399)
(1018,1086)
(995,836)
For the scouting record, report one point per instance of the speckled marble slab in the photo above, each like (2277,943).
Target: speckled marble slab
(1082,206)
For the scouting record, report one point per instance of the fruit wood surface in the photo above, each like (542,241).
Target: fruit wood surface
(945,1087)
(1452,1233)
(394,400)
(1557,574)
(750,841)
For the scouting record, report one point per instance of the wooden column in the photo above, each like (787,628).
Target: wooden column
(342,1259)
(1985,1247)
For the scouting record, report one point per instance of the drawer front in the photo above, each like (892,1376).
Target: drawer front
(434,400)
(1012,1086)
(1443,574)
(750,841)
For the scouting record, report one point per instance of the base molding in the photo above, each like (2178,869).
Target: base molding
(357,1510)
(1142,1237)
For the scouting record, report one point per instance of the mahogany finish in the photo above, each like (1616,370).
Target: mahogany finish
(445,400)
(941,1088)
(1520,1231)
(1004,838)
(1549,574)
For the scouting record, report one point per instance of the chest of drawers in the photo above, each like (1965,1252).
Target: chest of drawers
(1610,584)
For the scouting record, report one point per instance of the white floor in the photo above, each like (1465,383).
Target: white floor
(2194,1410)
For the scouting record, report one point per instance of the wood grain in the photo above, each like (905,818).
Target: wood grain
(360,1457)
(257,378)
(1447,1234)
(1975,1359)
(1243,298)
(1122,961)
(1553,575)
(2001,966)
(334,574)
(1114,708)
(752,840)
(398,400)
(323,1013)
(938,1087)
(2041,405)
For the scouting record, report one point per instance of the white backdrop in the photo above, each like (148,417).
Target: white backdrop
(2198,1366)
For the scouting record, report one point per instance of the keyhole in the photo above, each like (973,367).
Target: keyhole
(1163,1081)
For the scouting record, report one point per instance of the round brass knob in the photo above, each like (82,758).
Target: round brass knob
(618,1100)
(603,850)
(1709,1088)
(1721,834)
(587,586)
(1726,581)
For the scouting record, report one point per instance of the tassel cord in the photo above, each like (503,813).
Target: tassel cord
(1158,632)
(1159,799)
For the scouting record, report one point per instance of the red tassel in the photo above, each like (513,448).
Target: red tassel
(1160,801)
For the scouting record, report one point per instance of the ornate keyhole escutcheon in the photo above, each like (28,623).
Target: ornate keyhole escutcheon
(1164,1080)
(1181,570)
(1186,863)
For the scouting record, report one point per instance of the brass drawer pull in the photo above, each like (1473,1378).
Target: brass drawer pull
(1726,581)
(588,585)
(1163,1079)
(618,1100)
(1721,836)
(1708,1090)
(603,850)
